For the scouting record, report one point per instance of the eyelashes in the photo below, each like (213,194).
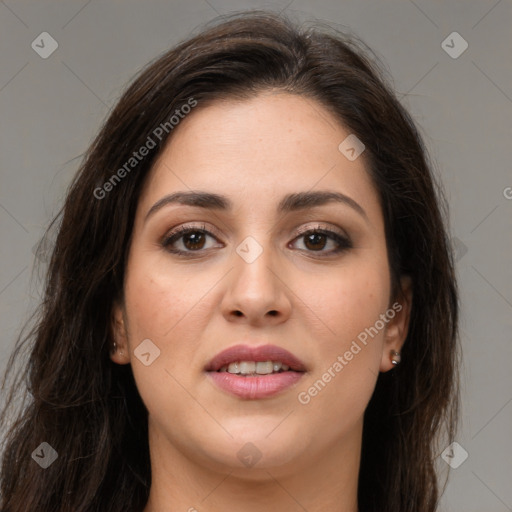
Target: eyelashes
(183,231)
(193,240)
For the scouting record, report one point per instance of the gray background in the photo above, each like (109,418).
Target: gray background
(51,108)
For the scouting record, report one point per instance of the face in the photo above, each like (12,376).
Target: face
(311,278)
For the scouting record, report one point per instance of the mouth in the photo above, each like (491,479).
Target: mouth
(254,368)
(255,372)
(262,360)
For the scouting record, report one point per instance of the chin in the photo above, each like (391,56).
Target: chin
(251,449)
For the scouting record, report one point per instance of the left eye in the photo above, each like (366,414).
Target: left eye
(194,240)
(317,239)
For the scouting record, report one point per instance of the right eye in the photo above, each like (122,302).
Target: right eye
(192,240)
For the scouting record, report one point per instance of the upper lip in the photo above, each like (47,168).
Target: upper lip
(262,353)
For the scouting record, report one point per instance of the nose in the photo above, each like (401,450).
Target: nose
(257,292)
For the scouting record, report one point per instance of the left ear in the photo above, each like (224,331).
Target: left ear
(398,326)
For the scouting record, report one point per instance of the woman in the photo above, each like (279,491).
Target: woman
(251,303)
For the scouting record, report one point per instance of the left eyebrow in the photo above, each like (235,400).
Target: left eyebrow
(303,200)
(289,203)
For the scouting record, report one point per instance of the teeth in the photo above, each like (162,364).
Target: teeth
(255,368)
(247,367)
(264,367)
(234,368)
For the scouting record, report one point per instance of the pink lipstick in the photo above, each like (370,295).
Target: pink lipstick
(255,372)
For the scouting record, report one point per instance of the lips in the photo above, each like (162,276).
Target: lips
(257,354)
(255,386)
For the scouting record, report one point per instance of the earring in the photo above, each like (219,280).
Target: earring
(114,347)
(395,357)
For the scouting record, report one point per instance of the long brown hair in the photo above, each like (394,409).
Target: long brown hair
(88,408)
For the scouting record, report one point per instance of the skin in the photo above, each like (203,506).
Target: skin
(254,152)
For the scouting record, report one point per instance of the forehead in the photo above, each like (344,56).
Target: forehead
(260,149)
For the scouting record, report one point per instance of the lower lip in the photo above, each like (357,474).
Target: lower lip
(251,388)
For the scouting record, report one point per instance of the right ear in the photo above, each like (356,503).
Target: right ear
(119,353)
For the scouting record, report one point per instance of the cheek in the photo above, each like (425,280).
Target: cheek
(172,308)
(160,302)
(350,304)
(167,310)
(346,301)
(152,308)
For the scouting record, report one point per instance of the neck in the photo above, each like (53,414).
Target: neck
(182,482)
